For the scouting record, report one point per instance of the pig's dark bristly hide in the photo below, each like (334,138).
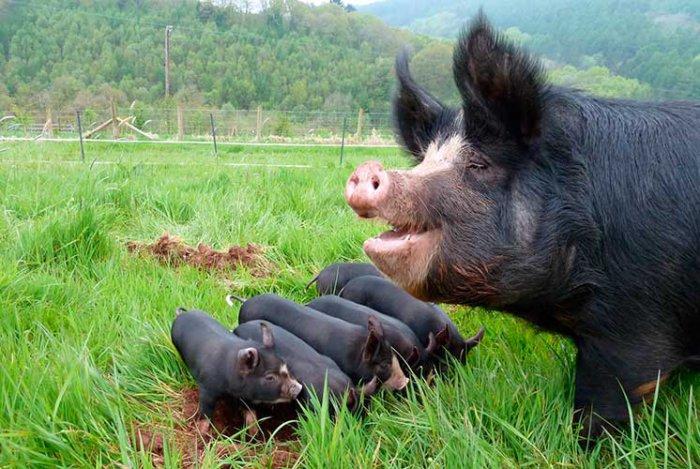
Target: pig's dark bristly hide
(588,218)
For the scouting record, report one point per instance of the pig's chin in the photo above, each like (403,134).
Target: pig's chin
(405,256)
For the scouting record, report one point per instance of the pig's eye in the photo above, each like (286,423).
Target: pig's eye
(477,165)
(270,378)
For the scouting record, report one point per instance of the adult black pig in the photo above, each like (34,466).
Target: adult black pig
(579,214)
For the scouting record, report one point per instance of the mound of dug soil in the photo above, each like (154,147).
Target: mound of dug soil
(276,423)
(171,250)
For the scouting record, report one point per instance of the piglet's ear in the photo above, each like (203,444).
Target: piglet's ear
(438,340)
(502,87)
(413,357)
(268,339)
(443,336)
(471,343)
(375,325)
(416,112)
(371,346)
(248,359)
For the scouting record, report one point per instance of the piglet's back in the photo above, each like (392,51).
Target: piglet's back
(194,330)
(386,297)
(286,343)
(295,318)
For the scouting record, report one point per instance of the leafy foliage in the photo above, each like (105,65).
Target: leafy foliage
(289,55)
(657,42)
(63,54)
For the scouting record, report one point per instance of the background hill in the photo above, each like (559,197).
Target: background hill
(655,41)
(67,54)
(288,56)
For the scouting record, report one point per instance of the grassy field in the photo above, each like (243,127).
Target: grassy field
(84,324)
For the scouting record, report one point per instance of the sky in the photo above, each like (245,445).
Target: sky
(352,2)
(319,2)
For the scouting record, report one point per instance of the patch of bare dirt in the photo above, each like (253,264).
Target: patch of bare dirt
(191,441)
(172,251)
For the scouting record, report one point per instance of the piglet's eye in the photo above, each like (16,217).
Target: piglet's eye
(476,165)
(270,378)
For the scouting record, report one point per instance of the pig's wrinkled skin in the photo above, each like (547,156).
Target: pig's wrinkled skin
(225,365)
(361,352)
(579,214)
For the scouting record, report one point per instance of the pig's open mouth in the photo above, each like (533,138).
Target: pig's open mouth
(398,240)
(405,255)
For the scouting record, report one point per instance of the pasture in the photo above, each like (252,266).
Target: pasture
(84,324)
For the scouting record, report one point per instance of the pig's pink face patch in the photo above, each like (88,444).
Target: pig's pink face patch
(403,199)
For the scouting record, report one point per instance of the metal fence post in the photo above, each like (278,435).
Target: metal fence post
(80,135)
(342,142)
(213,133)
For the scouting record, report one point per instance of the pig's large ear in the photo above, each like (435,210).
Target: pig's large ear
(247,360)
(416,112)
(502,87)
(268,339)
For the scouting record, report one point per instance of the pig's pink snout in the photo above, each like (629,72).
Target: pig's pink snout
(367,188)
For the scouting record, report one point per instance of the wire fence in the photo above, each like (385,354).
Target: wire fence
(201,124)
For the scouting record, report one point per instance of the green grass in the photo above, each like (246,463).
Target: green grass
(84,329)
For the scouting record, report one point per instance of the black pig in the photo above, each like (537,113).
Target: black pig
(579,214)
(433,327)
(312,369)
(361,352)
(398,334)
(227,366)
(333,278)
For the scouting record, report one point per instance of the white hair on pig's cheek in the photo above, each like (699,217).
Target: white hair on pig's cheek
(440,155)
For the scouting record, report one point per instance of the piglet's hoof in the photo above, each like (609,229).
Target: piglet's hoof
(204,427)
(251,422)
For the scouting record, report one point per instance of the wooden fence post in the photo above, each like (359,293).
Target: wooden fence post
(360,123)
(180,122)
(258,125)
(48,126)
(115,122)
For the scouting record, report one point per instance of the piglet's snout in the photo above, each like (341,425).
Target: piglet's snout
(367,188)
(293,389)
(398,380)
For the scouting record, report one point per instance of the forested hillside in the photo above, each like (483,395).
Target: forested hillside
(655,41)
(289,56)
(67,54)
